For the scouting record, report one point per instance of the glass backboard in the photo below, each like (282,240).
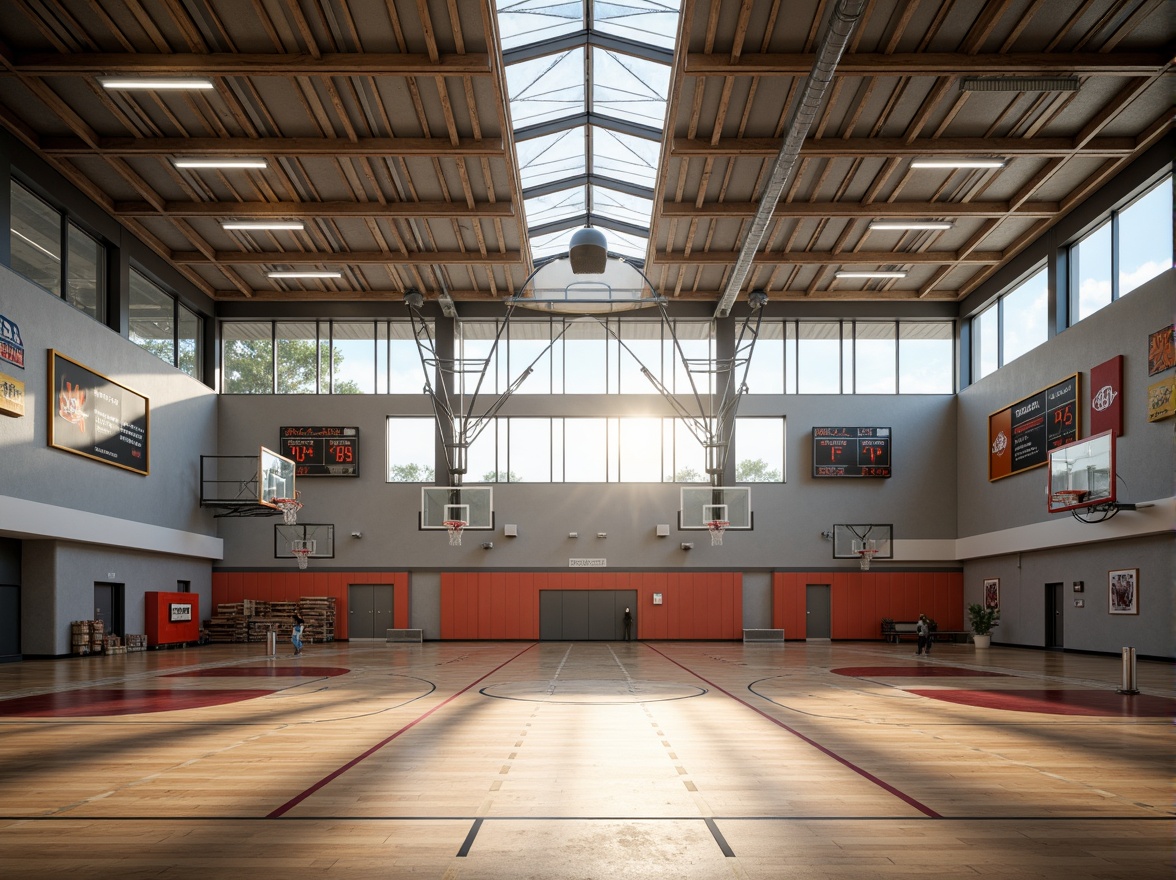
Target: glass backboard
(1082,473)
(703,504)
(473,505)
(275,477)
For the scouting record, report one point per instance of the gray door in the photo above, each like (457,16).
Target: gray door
(9,622)
(108,606)
(817,611)
(585,615)
(369,610)
(575,616)
(1055,600)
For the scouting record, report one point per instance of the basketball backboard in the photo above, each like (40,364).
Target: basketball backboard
(850,538)
(322,536)
(1082,473)
(703,504)
(275,477)
(473,505)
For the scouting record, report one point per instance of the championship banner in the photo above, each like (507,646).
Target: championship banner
(1106,397)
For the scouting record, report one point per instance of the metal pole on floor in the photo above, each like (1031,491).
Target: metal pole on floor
(271,644)
(1128,672)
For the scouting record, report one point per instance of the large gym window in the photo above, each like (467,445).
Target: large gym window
(163,325)
(1014,324)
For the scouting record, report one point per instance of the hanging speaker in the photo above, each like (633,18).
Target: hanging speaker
(588,251)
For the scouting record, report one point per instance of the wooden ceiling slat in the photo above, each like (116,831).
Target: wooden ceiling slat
(908,209)
(310,210)
(886,147)
(343,258)
(818,258)
(251,146)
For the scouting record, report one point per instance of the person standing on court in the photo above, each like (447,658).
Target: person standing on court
(296,633)
(628,620)
(923,631)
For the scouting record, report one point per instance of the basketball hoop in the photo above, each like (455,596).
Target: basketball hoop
(717,527)
(289,508)
(1066,497)
(302,550)
(864,557)
(455,526)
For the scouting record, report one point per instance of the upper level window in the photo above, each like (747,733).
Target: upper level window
(36,237)
(1016,323)
(1133,246)
(163,325)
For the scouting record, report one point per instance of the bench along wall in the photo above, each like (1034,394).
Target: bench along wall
(858,600)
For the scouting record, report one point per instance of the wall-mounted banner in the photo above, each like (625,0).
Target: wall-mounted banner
(1161,399)
(1106,397)
(11,346)
(1020,436)
(1161,350)
(96,417)
(12,396)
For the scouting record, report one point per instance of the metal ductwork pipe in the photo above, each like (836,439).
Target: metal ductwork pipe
(841,24)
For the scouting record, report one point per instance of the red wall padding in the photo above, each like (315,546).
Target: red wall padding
(860,599)
(505,605)
(290,586)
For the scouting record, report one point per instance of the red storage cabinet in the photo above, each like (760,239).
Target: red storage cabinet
(172,618)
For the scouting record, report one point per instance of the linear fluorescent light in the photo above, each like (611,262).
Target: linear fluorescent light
(958,163)
(1019,84)
(171,83)
(220,163)
(311,274)
(903,225)
(871,274)
(262,225)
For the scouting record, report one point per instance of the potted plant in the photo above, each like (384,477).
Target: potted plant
(982,620)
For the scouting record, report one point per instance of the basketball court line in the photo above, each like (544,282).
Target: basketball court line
(335,774)
(865,774)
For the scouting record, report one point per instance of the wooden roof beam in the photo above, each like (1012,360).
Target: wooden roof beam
(934,64)
(877,210)
(269,146)
(250,64)
(888,147)
(315,210)
(829,258)
(345,258)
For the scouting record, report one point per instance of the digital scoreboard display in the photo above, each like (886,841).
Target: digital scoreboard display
(851,452)
(322,451)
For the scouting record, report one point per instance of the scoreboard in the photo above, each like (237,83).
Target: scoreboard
(851,452)
(322,451)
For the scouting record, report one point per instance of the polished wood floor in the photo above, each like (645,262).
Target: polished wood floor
(585,760)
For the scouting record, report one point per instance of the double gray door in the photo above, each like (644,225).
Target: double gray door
(585,615)
(369,611)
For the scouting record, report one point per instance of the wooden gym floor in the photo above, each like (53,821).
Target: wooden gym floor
(585,760)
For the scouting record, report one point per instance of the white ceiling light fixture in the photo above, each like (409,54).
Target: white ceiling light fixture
(904,225)
(262,225)
(958,163)
(871,275)
(306,274)
(142,84)
(220,163)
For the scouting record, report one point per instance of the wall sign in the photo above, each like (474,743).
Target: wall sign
(851,452)
(587,563)
(12,396)
(11,346)
(322,451)
(1020,436)
(1106,397)
(96,417)
(1161,399)
(1161,350)
(178,612)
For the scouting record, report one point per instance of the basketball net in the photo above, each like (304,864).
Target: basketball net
(289,508)
(717,527)
(455,526)
(302,551)
(864,557)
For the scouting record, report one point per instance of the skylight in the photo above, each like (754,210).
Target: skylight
(588,82)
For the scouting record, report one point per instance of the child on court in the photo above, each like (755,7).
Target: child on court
(296,633)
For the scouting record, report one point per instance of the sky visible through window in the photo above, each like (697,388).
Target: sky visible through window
(587,84)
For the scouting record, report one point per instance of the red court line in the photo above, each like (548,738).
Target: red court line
(335,774)
(921,807)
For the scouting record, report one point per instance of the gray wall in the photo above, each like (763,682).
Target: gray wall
(79,519)
(919,500)
(1145,466)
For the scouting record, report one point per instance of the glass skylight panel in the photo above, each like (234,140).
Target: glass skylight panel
(547,88)
(624,157)
(654,22)
(555,156)
(621,206)
(621,243)
(553,207)
(551,244)
(523,22)
(629,88)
